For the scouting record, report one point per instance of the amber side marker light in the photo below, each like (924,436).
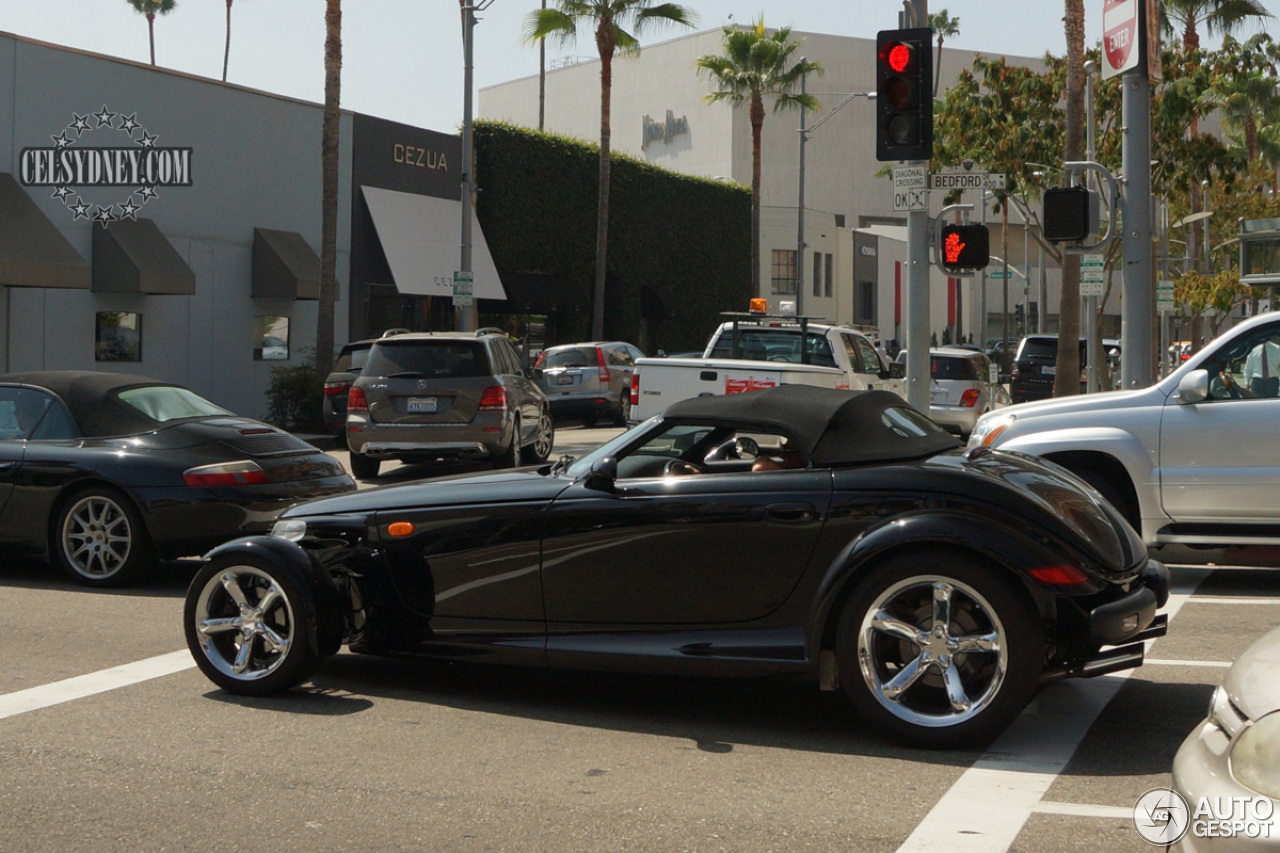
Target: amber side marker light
(400,528)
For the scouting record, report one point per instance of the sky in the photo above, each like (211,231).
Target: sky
(402,59)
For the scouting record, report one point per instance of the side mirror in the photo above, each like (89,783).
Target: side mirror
(886,374)
(897,370)
(535,373)
(604,471)
(1194,387)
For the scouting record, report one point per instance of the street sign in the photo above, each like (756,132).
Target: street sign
(1092,275)
(967,181)
(911,188)
(462,289)
(1119,37)
(1164,296)
(1000,274)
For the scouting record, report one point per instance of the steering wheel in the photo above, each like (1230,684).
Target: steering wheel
(679,468)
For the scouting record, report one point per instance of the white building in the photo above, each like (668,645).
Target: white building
(851,264)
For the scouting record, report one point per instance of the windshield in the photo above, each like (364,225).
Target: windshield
(168,402)
(582,467)
(771,344)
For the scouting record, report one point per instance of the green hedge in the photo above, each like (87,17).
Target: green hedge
(689,238)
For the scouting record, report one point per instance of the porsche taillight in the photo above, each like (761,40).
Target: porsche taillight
(357,401)
(245,473)
(969,398)
(604,368)
(494,399)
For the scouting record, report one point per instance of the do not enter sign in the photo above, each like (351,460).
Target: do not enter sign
(1119,37)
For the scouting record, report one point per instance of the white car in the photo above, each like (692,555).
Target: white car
(1227,771)
(964,384)
(1192,459)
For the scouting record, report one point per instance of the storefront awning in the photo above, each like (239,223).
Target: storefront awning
(33,252)
(134,257)
(284,266)
(421,236)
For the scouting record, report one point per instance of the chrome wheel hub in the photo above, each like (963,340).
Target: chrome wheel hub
(245,623)
(932,650)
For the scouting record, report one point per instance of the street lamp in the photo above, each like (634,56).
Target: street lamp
(468,318)
(804,140)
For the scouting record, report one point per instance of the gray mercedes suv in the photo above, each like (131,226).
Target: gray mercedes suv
(445,396)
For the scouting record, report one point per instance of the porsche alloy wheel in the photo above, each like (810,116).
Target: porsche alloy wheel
(244,621)
(100,540)
(537,453)
(939,651)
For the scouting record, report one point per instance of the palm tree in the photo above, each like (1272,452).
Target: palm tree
(1219,17)
(757,64)
(329,187)
(944,26)
(151,8)
(618,24)
(1067,378)
(226,51)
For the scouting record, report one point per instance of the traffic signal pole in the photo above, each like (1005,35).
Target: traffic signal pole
(1136,311)
(918,379)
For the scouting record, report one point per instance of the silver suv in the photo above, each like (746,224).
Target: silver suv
(444,396)
(963,387)
(589,380)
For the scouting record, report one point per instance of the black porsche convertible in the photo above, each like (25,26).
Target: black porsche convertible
(937,587)
(103,473)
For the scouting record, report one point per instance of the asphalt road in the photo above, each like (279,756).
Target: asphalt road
(111,740)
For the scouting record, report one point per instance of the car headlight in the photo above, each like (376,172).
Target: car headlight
(989,428)
(1255,756)
(292,529)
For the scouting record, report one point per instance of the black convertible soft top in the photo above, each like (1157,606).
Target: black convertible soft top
(832,427)
(92,398)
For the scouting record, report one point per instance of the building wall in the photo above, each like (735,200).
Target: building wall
(255,163)
(840,163)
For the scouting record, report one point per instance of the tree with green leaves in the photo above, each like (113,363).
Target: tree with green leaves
(617,25)
(757,64)
(329,129)
(944,27)
(1185,18)
(151,8)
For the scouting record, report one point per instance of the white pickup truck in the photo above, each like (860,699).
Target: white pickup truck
(754,351)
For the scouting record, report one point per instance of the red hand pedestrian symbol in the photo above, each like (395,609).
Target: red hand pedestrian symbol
(952,248)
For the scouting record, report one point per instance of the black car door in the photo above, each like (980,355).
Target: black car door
(703,549)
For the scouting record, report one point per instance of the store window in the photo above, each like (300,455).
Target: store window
(784,271)
(118,336)
(271,335)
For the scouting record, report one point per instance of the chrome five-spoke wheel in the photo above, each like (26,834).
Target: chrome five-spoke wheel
(244,624)
(939,650)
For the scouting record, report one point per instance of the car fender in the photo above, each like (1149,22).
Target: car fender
(323,622)
(1139,460)
(993,540)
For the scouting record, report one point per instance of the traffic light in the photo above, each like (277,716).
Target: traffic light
(1067,214)
(964,247)
(904,94)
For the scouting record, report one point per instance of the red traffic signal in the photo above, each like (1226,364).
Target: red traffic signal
(904,95)
(964,247)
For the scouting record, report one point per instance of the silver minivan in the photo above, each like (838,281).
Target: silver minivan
(444,396)
(589,380)
(963,386)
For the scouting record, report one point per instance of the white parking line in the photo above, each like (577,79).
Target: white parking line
(988,805)
(67,690)
(1222,664)
(1084,810)
(1213,599)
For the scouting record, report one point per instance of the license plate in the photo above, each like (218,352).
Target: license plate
(564,379)
(420,405)
(1049,370)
